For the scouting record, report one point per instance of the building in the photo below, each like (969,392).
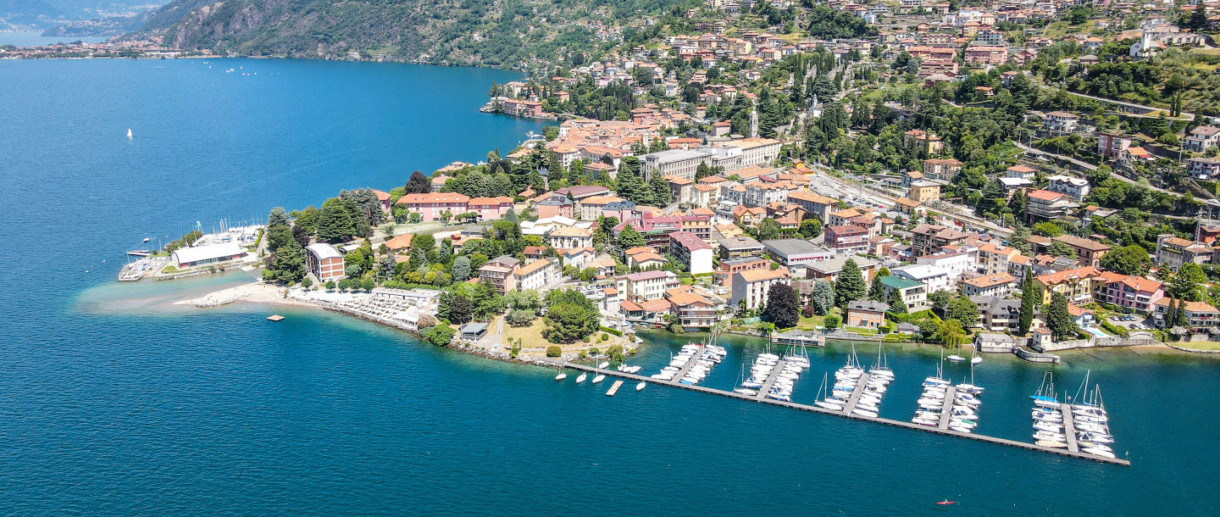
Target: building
(999,284)
(213,254)
(750,288)
(914,294)
(1203,168)
(324,261)
(434,205)
(763,193)
(537,275)
(829,269)
(755,151)
(565,237)
(727,268)
(933,277)
(943,169)
(812,203)
(499,272)
(995,258)
(647,285)
(794,254)
(1112,145)
(490,208)
(924,192)
(1076,188)
(918,138)
(1074,284)
(927,239)
(1060,121)
(866,314)
(693,308)
(847,238)
(1127,291)
(998,314)
(737,247)
(1087,251)
(1045,204)
(1202,316)
(692,251)
(1173,251)
(679,163)
(1202,138)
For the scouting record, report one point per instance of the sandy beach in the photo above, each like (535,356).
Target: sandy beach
(255,292)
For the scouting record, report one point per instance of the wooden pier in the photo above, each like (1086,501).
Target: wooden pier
(614,388)
(1069,427)
(856,394)
(766,387)
(885,421)
(946,412)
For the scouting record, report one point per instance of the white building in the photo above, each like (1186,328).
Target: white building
(955,264)
(210,254)
(1077,188)
(932,277)
(537,275)
(753,286)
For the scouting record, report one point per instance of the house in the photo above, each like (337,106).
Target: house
(1087,251)
(489,208)
(399,242)
(499,272)
(795,254)
(1202,316)
(1074,284)
(691,251)
(847,238)
(814,204)
(472,332)
(647,285)
(1045,204)
(994,258)
(693,308)
(924,192)
(1173,251)
(999,284)
(750,288)
(829,269)
(578,258)
(1001,343)
(1076,188)
(927,239)
(434,206)
(918,138)
(997,313)
(1203,168)
(1019,171)
(1202,138)
(1127,291)
(943,169)
(723,275)
(1112,145)
(324,261)
(570,237)
(748,217)
(737,247)
(865,314)
(384,198)
(914,294)
(1060,121)
(932,277)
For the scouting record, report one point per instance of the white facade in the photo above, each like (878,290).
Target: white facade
(932,277)
(1077,188)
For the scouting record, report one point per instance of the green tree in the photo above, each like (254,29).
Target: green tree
(1047,229)
(1031,296)
(439,335)
(823,297)
(1059,320)
(1181,318)
(660,190)
(952,333)
(810,228)
(783,307)
(630,238)
(277,217)
(1186,283)
(940,301)
(277,236)
(335,224)
(454,307)
(963,310)
(1127,260)
(288,264)
(831,322)
(768,229)
(897,304)
(570,317)
(461,269)
(876,291)
(1061,249)
(418,184)
(851,286)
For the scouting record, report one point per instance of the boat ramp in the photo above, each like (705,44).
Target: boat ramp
(944,431)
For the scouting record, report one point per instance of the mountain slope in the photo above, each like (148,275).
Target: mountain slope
(501,33)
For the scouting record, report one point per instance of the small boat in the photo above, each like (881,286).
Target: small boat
(976,359)
(1052,444)
(582,378)
(599,378)
(146,239)
(640,386)
(561,376)
(946,502)
(129,133)
(745,391)
(864,412)
(956,358)
(603,365)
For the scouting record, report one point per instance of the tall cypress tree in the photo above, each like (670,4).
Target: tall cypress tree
(851,286)
(1029,302)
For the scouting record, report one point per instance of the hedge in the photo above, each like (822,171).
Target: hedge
(609,330)
(553,351)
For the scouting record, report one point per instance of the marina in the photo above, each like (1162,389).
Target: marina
(947,412)
(815,409)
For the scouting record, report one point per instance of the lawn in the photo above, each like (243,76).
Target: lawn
(1201,345)
(815,321)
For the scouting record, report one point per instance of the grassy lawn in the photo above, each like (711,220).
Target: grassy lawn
(857,330)
(1202,345)
(815,321)
(534,344)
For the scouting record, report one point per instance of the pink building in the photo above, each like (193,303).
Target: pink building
(1132,292)
(432,205)
(489,208)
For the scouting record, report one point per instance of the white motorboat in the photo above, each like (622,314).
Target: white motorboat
(599,378)
(561,376)
(864,412)
(744,391)
(1099,452)
(640,386)
(976,359)
(603,365)
(581,378)
(1049,427)
(956,358)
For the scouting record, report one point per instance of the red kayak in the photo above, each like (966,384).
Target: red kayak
(946,502)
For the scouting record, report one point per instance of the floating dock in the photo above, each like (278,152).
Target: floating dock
(275,317)
(886,421)
(614,389)
(1069,427)
(946,412)
(766,387)
(856,394)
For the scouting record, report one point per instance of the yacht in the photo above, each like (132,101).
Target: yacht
(561,376)
(640,386)
(599,378)
(581,378)
(956,358)
(603,365)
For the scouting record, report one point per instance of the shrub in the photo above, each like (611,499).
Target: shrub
(426,321)
(605,338)
(609,330)
(615,353)
(594,351)
(439,335)
(807,311)
(553,351)
(521,317)
(831,322)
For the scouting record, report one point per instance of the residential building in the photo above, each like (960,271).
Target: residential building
(737,247)
(866,314)
(499,272)
(565,237)
(932,277)
(1074,284)
(847,238)
(324,261)
(537,275)
(752,287)
(829,269)
(647,285)
(999,284)
(489,208)
(1087,251)
(1112,145)
(1201,316)
(1202,138)
(1173,251)
(763,193)
(1047,205)
(1076,188)
(994,258)
(957,262)
(924,192)
(433,206)
(997,313)
(692,309)
(1203,168)
(215,253)
(927,239)
(692,251)
(814,204)
(918,138)
(795,254)
(1127,291)
(727,268)
(914,294)
(1060,121)
(943,169)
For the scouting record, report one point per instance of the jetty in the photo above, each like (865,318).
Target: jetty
(614,389)
(840,414)
(1069,427)
(856,394)
(766,387)
(946,412)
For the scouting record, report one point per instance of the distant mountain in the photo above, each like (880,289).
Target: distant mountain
(32,14)
(501,33)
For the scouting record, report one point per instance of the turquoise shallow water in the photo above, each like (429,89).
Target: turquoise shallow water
(112,403)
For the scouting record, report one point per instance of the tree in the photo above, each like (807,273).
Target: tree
(1061,249)
(831,322)
(810,228)
(454,307)
(768,229)
(277,236)
(1181,319)
(424,242)
(570,316)
(1058,320)
(897,304)
(521,318)
(1186,283)
(1031,296)
(461,269)
(1020,239)
(630,238)
(823,297)
(783,307)
(1127,260)
(660,190)
(1047,229)
(335,224)
(486,301)
(851,286)
(418,184)
(940,301)
(288,265)
(963,310)
(439,335)
(876,291)
(277,217)
(951,332)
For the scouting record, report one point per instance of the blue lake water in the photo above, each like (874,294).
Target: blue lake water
(113,403)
